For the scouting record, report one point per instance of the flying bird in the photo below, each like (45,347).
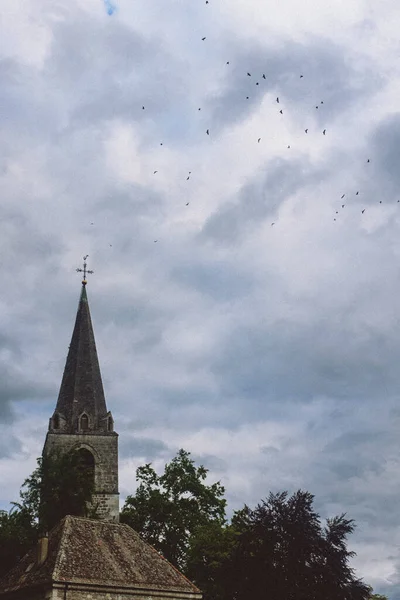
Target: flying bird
(301,76)
(342,196)
(272,224)
(342,205)
(281,111)
(306,130)
(257,83)
(208,132)
(316,107)
(248,74)
(288,146)
(367,160)
(187,203)
(277,100)
(247,97)
(227,62)
(142,107)
(264,76)
(363,211)
(155,172)
(357,193)
(324,131)
(202,39)
(259,139)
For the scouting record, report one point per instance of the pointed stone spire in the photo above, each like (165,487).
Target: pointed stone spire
(81,405)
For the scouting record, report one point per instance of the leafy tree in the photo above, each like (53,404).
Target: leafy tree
(208,559)
(59,486)
(283,552)
(377,596)
(17,534)
(167,509)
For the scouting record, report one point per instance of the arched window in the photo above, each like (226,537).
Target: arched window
(86,462)
(84,422)
(109,424)
(56,421)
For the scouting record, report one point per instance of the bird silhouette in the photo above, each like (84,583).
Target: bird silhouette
(342,196)
(301,76)
(281,111)
(227,62)
(257,83)
(357,193)
(324,131)
(272,224)
(248,74)
(208,132)
(142,107)
(306,130)
(259,139)
(203,38)
(264,76)
(316,107)
(288,146)
(155,172)
(187,203)
(342,205)
(368,161)
(363,211)
(277,100)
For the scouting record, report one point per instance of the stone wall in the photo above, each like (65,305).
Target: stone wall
(104,449)
(78,592)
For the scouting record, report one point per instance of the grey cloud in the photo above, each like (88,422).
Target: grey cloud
(258,199)
(147,448)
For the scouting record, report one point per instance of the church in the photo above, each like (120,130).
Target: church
(91,559)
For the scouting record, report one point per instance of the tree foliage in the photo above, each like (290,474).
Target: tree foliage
(59,486)
(284,552)
(17,534)
(166,509)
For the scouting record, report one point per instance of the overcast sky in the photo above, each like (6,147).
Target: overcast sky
(242,314)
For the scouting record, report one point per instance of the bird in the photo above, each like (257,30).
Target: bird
(264,76)
(257,83)
(288,146)
(337,212)
(301,76)
(92,223)
(322,101)
(227,62)
(203,38)
(142,107)
(187,203)
(277,100)
(398,200)
(342,196)
(155,172)
(247,97)
(187,178)
(160,143)
(306,130)
(199,109)
(281,111)
(272,224)
(380,201)
(248,74)
(342,205)
(368,161)
(259,139)
(324,131)
(208,132)
(155,241)
(357,193)
(363,211)
(316,107)
(110,245)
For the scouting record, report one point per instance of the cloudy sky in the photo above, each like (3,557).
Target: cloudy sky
(270,352)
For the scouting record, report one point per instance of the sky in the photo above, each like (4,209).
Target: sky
(245,295)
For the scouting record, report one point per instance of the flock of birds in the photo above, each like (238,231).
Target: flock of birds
(263,77)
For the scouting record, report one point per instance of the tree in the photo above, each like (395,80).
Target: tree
(17,534)
(377,596)
(167,509)
(283,552)
(59,486)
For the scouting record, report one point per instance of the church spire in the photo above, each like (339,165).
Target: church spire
(81,405)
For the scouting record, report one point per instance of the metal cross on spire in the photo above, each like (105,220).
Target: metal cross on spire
(84,270)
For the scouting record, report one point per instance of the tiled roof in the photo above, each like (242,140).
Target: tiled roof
(96,552)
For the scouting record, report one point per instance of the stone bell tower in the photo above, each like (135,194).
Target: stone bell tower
(81,421)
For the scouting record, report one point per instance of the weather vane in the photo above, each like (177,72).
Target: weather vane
(84,270)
